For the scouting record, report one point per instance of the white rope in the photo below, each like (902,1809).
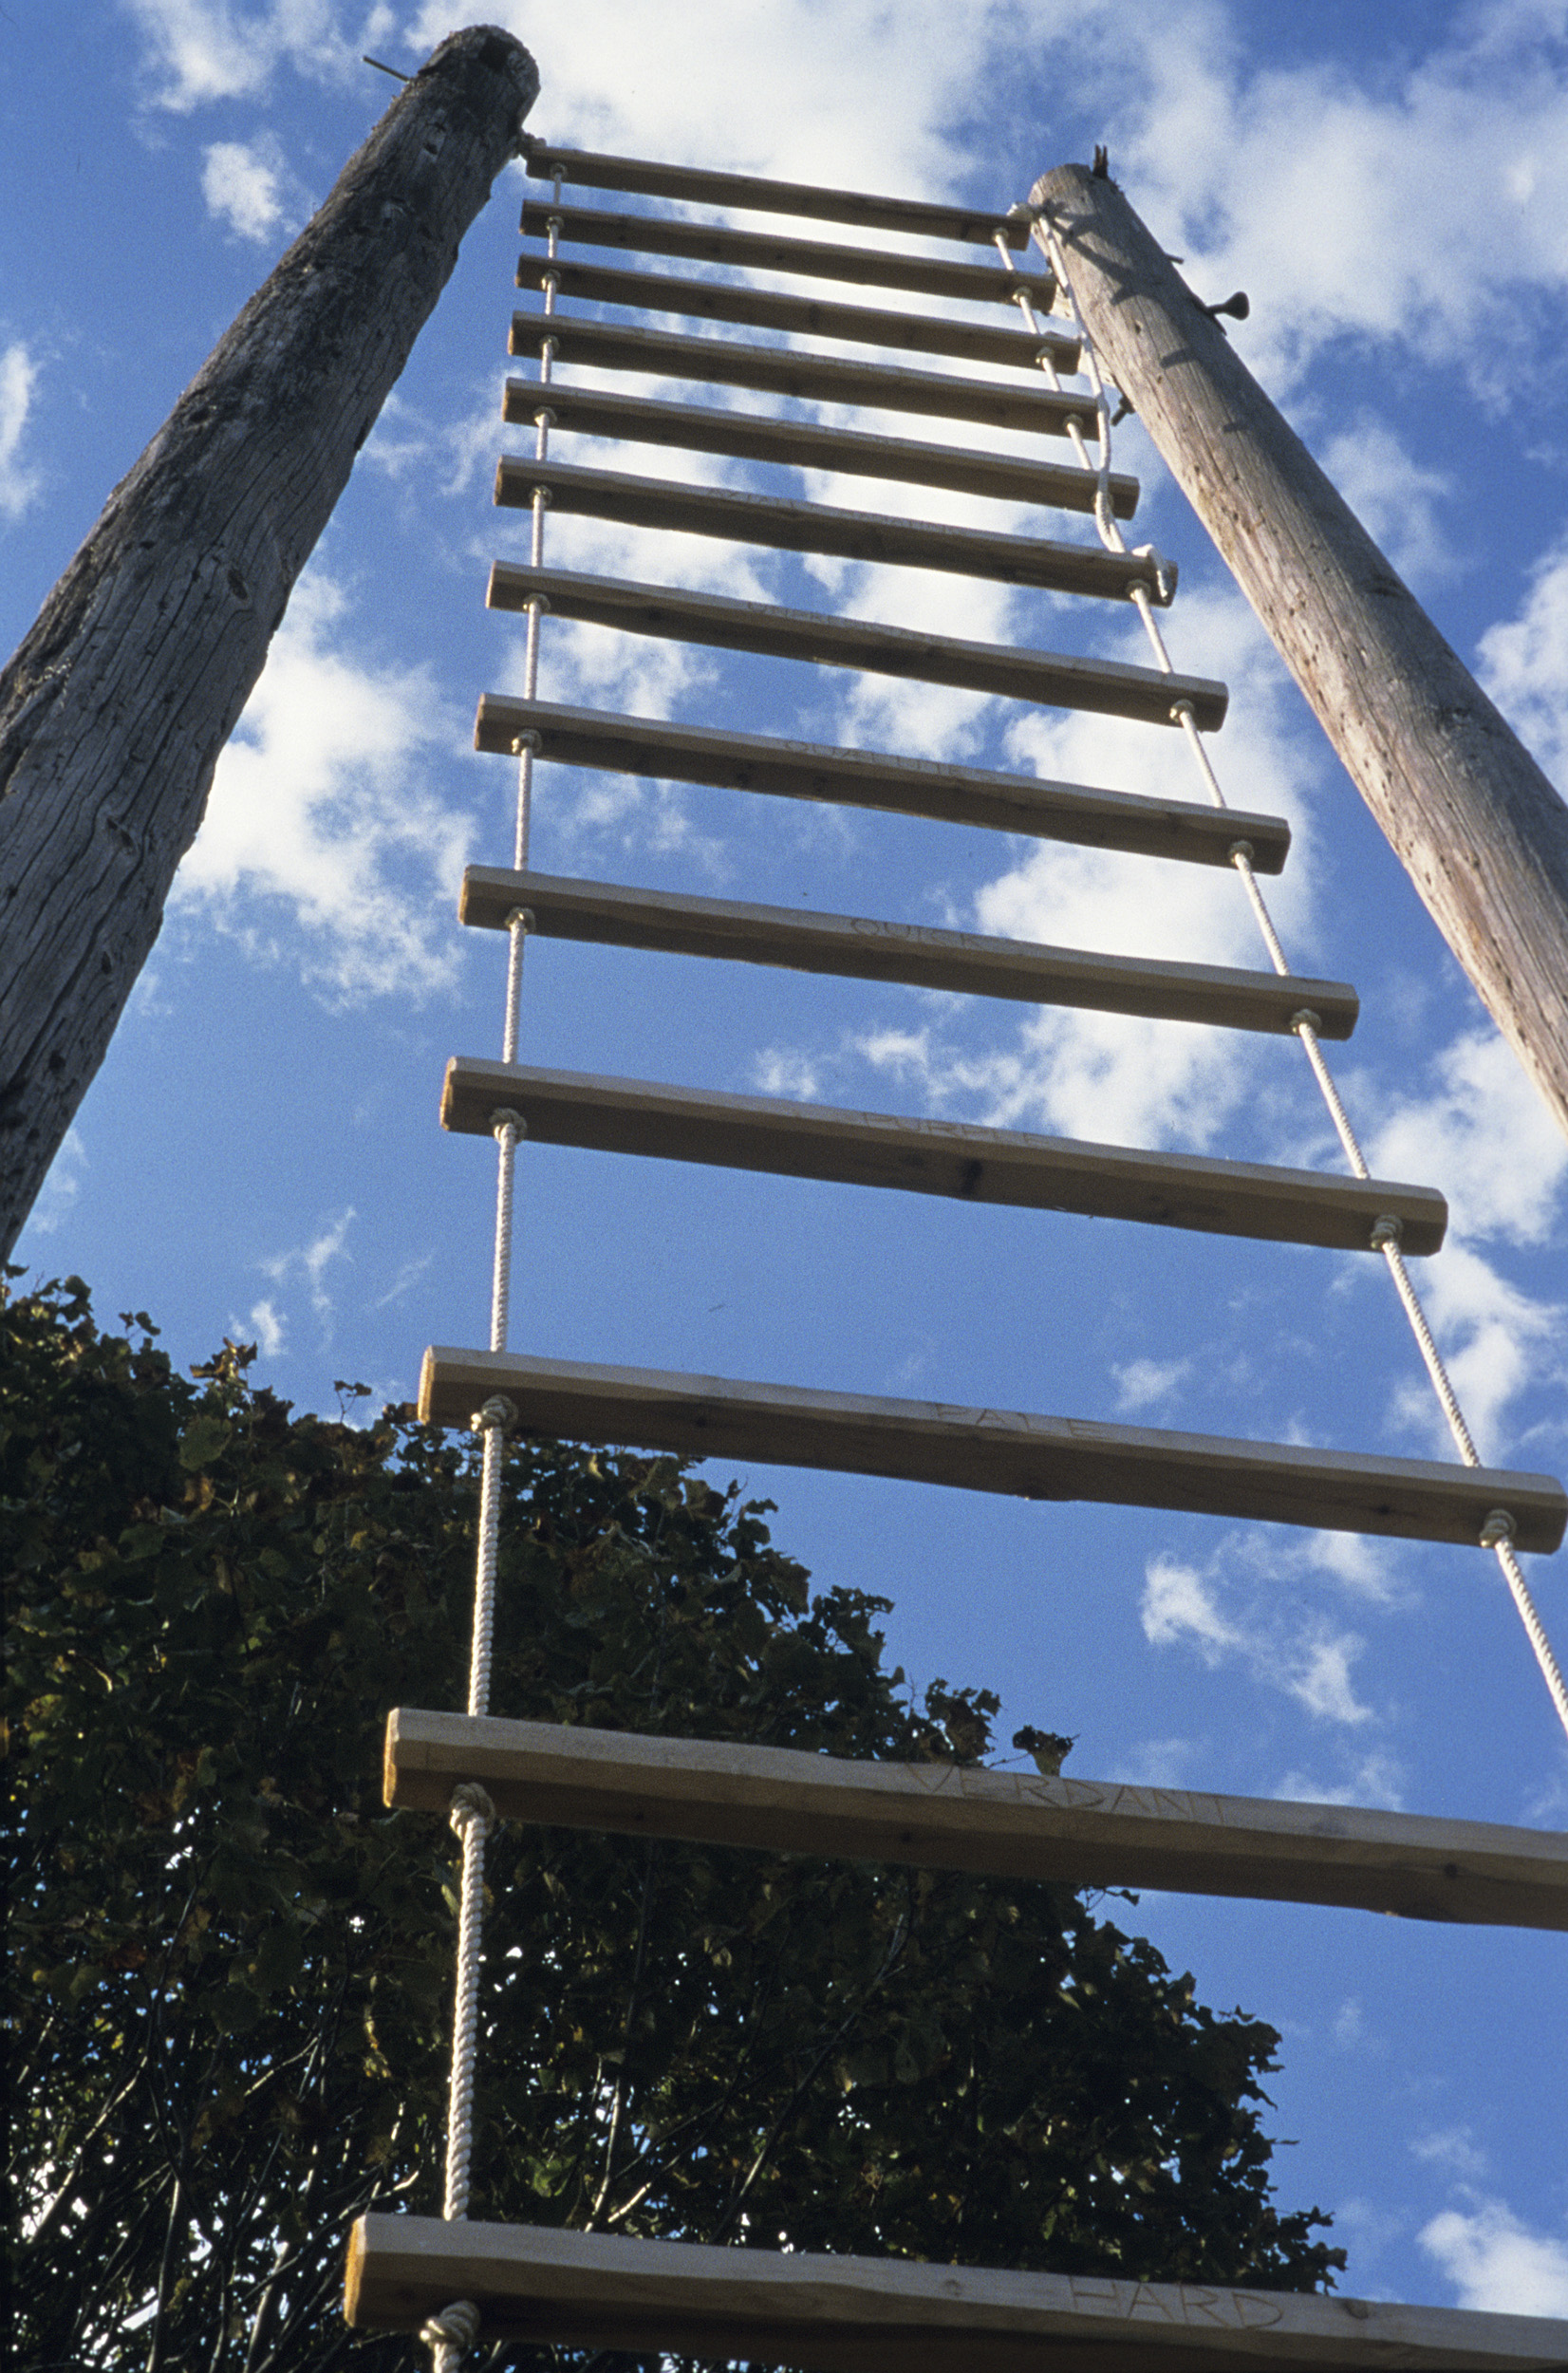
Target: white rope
(1497,1533)
(453,2332)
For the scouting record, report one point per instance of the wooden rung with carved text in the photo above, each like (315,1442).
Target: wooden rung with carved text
(806,377)
(842,2314)
(974,1165)
(1021,1454)
(801,316)
(1053,679)
(949,1816)
(766,251)
(1081,813)
(854,947)
(806,445)
(695,185)
(798,527)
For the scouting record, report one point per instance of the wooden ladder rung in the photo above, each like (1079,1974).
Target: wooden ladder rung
(936,1157)
(798,527)
(945,1815)
(1025,1456)
(1057,678)
(694,185)
(764,251)
(807,378)
(804,445)
(1179,830)
(803,316)
(848,2314)
(675,924)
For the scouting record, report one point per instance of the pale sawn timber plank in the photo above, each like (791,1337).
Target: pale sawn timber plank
(799,527)
(1006,1167)
(946,1816)
(766,251)
(888,2315)
(806,377)
(1179,830)
(853,947)
(801,316)
(806,445)
(1053,679)
(1023,1454)
(695,185)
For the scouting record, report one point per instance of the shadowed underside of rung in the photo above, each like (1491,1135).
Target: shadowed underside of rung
(764,251)
(943,1816)
(798,527)
(935,1157)
(886,2315)
(673,923)
(804,445)
(1024,1456)
(1054,679)
(800,316)
(694,185)
(1089,817)
(806,377)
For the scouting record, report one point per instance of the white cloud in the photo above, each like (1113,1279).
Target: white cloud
(1349,2025)
(202,50)
(1454,2148)
(1232,1611)
(1376,1779)
(1497,2263)
(1496,1344)
(58,1196)
(244,185)
(267,1326)
(1525,664)
(322,845)
(312,1262)
(1147,1383)
(1480,1133)
(20,484)
(1396,500)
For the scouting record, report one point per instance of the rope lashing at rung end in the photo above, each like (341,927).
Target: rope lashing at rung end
(456,2327)
(544,418)
(504,1118)
(469,1802)
(522,918)
(497,1412)
(1166,574)
(1498,1530)
(1387,1230)
(530,740)
(1306,1020)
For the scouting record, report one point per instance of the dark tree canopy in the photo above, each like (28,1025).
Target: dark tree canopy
(230,1984)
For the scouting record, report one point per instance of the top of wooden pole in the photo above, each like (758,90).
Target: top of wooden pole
(1471,817)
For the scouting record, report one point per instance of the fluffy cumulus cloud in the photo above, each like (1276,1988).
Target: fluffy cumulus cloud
(1525,664)
(20,482)
(1496,2262)
(201,50)
(248,186)
(323,845)
(1220,1615)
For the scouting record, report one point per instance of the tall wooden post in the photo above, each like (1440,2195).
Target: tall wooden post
(115,708)
(1468,813)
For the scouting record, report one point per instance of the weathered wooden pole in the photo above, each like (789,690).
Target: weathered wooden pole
(115,708)
(1468,813)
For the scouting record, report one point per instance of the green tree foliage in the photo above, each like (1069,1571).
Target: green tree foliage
(230,1973)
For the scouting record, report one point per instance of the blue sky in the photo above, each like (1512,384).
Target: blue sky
(260,1154)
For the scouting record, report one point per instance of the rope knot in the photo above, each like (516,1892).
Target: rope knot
(501,1120)
(469,1802)
(1388,1229)
(456,2327)
(1304,1018)
(522,918)
(1498,1531)
(498,1411)
(531,741)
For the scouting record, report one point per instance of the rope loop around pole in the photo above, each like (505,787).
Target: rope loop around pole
(469,1802)
(456,2327)
(497,1413)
